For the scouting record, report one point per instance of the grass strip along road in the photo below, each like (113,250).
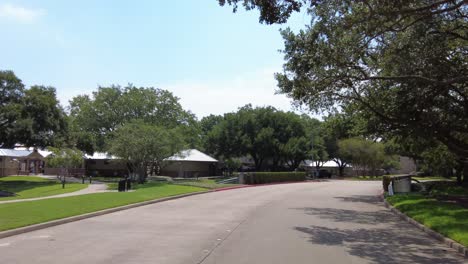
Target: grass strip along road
(446,218)
(31,187)
(14,215)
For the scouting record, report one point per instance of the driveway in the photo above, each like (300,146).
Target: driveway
(315,222)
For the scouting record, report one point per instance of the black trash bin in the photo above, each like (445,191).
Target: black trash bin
(128,184)
(121,186)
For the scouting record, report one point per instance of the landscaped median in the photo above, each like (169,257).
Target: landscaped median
(447,217)
(15,215)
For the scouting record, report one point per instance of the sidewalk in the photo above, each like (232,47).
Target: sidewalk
(92,188)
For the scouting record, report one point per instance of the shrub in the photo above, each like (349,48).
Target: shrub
(272,177)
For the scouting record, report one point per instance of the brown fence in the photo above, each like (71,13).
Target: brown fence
(70,172)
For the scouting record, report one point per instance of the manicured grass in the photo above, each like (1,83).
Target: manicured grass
(204,183)
(14,215)
(446,218)
(379,178)
(365,178)
(432,178)
(32,187)
(105,179)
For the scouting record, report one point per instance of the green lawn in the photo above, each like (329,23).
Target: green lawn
(365,178)
(448,190)
(432,178)
(448,219)
(203,183)
(31,187)
(14,215)
(379,178)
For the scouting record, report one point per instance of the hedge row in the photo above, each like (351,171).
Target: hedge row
(272,177)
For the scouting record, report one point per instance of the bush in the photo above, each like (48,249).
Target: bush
(272,177)
(386,180)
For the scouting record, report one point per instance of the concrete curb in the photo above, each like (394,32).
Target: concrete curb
(62,221)
(449,242)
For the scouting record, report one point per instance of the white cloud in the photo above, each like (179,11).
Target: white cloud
(219,97)
(20,14)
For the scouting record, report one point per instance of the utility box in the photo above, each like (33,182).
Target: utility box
(402,184)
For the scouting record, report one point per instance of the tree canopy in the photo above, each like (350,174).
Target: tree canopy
(263,133)
(32,117)
(144,146)
(400,65)
(96,118)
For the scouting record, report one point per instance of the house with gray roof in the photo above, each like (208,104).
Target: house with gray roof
(190,163)
(22,161)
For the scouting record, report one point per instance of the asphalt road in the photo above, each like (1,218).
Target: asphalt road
(315,222)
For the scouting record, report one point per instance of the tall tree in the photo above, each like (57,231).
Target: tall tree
(207,124)
(97,117)
(263,133)
(401,64)
(32,117)
(11,93)
(144,146)
(366,156)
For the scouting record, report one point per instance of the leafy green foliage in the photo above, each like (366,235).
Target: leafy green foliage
(32,117)
(144,146)
(400,65)
(366,156)
(95,119)
(65,158)
(273,177)
(263,133)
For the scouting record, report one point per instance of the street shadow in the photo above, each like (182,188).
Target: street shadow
(350,216)
(369,199)
(389,246)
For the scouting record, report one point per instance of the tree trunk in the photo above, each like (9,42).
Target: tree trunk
(465,173)
(341,170)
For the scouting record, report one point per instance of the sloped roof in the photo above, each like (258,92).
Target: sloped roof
(191,155)
(44,153)
(100,156)
(15,152)
(328,164)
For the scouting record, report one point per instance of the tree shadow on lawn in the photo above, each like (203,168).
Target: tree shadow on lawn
(389,246)
(19,186)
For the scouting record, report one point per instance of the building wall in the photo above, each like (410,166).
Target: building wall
(105,167)
(8,166)
(188,169)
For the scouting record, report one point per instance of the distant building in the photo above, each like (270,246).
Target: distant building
(330,166)
(103,164)
(22,161)
(190,163)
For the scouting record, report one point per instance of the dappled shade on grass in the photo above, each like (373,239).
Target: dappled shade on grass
(14,215)
(31,187)
(446,218)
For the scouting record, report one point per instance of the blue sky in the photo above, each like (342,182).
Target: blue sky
(211,58)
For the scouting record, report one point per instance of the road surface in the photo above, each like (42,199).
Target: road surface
(315,222)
